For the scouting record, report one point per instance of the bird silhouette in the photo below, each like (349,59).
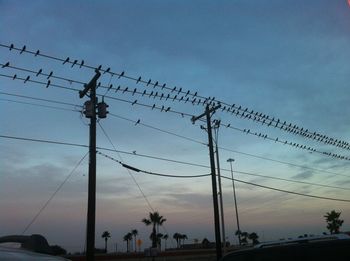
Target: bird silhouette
(138,80)
(163,86)
(28,77)
(23,49)
(187,93)
(118,88)
(81,64)
(153,106)
(134,102)
(167,109)
(66,61)
(179,90)
(74,63)
(6,64)
(126,89)
(134,92)
(99,67)
(14,77)
(48,84)
(155,84)
(106,71)
(149,81)
(173,89)
(39,72)
(37,53)
(11,47)
(138,121)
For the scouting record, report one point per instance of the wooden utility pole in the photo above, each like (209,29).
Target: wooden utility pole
(91,211)
(213,176)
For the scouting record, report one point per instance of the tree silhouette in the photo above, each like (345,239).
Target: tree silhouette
(244,238)
(165,237)
(177,237)
(333,221)
(183,237)
(155,220)
(127,238)
(106,235)
(254,238)
(134,232)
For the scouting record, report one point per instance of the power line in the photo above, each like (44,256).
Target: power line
(169,160)
(139,122)
(40,99)
(255,116)
(287,191)
(53,195)
(150,172)
(168,109)
(237,180)
(132,176)
(39,105)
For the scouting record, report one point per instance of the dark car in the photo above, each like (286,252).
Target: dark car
(316,249)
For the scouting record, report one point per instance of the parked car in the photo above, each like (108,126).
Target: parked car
(324,248)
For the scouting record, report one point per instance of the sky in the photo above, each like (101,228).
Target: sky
(285,59)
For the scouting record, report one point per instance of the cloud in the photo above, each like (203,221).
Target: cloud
(304,175)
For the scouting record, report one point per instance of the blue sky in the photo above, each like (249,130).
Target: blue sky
(286,59)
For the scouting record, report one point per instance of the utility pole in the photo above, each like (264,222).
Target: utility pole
(213,176)
(234,197)
(90,112)
(216,130)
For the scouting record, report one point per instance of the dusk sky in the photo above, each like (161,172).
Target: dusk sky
(288,59)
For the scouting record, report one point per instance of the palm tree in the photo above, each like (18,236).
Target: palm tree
(106,235)
(183,237)
(155,220)
(165,237)
(333,221)
(254,237)
(134,232)
(244,237)
(177,237)
(239,233)
(127,238)
(159,240)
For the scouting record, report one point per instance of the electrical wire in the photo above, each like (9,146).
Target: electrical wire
(53,195)
(168,109)
(132,176)
(240,181)
(149,172)
(255,116)
(168,160)
(39,105)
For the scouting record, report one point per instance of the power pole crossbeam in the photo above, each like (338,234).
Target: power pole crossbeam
(213,177)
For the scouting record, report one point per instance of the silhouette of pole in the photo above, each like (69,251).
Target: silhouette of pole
(213,177)
(234,197)
(220,187)
(91,211)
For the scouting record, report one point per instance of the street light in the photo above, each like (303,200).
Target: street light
(234,197)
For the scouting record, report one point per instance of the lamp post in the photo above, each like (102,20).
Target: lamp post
(234,197)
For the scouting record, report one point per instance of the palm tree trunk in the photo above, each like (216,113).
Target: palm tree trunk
(105,245)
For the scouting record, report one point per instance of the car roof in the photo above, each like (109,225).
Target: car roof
(14,254)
